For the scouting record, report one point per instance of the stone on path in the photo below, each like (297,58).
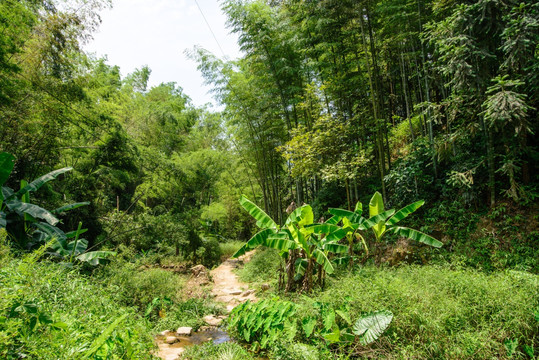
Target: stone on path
(171,339)
(235,292)
(184,331)
(248,292)
(212,320)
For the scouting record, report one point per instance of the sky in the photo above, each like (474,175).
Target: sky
(156,33)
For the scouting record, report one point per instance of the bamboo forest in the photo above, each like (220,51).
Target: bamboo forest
(363,183)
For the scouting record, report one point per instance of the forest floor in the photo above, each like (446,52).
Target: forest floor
(226,289)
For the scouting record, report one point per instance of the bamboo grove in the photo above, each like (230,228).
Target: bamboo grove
(419,99)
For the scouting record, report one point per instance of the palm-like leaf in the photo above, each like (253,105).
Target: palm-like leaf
(93,257)
(369,327)
(39,182)
(69,207)
(417,236)
(263,220)
(376,206)
(376,220)
(258,239)
(322,259)
(404,212)
(33,210)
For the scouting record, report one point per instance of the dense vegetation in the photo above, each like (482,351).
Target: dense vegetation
(104,179)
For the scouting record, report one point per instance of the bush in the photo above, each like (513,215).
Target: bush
(48,311)
(263,266)
(140,287)
(440,312)
(229,248)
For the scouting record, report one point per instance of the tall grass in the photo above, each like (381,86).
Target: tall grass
(229,248)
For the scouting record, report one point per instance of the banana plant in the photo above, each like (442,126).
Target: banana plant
(28,224)
(295,241)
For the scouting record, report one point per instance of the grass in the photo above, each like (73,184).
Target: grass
(263,267)
(50,311)
(229,248)
(210,351)
(440,312)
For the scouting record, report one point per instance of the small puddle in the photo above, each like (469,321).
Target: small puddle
(173,351)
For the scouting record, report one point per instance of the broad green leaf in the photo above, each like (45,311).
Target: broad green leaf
(376,206)
(322,259)
(280,244)
(81,246)
(39,182)
(50,230)
(334,220)
(324,228)
(359,208)
(337,235)
(336,248)
(31,209)
(103,337)
(302,216)
(298,237)
(404,212)
(73,233)
(375,220)
(258,239)
(3,222)
(344,316)
(69,207)
(308,325)
(369,327)
(263,220)
(93,257)
(334,336)
(340,212)
(7,161)
(417,236)
(328,318)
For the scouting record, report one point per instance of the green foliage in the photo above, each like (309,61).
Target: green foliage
(65,315)
(465,313)
(262,323)
(211,351)
(262,267)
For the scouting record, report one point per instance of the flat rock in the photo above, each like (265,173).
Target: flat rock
(247,293)
(235,292)
(212,320)
(171,339)
(184,331)
(165,333)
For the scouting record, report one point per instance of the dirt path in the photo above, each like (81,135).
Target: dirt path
(228,290)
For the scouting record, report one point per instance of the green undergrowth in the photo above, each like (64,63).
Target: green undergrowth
(229,248)
(156,293)
(263,267)
(211,351)
(49,311)
(440,312)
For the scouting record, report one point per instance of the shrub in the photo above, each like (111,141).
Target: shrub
(211,351)
(440,312)
(48,311)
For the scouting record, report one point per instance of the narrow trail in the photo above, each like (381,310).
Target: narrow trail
(228,290)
